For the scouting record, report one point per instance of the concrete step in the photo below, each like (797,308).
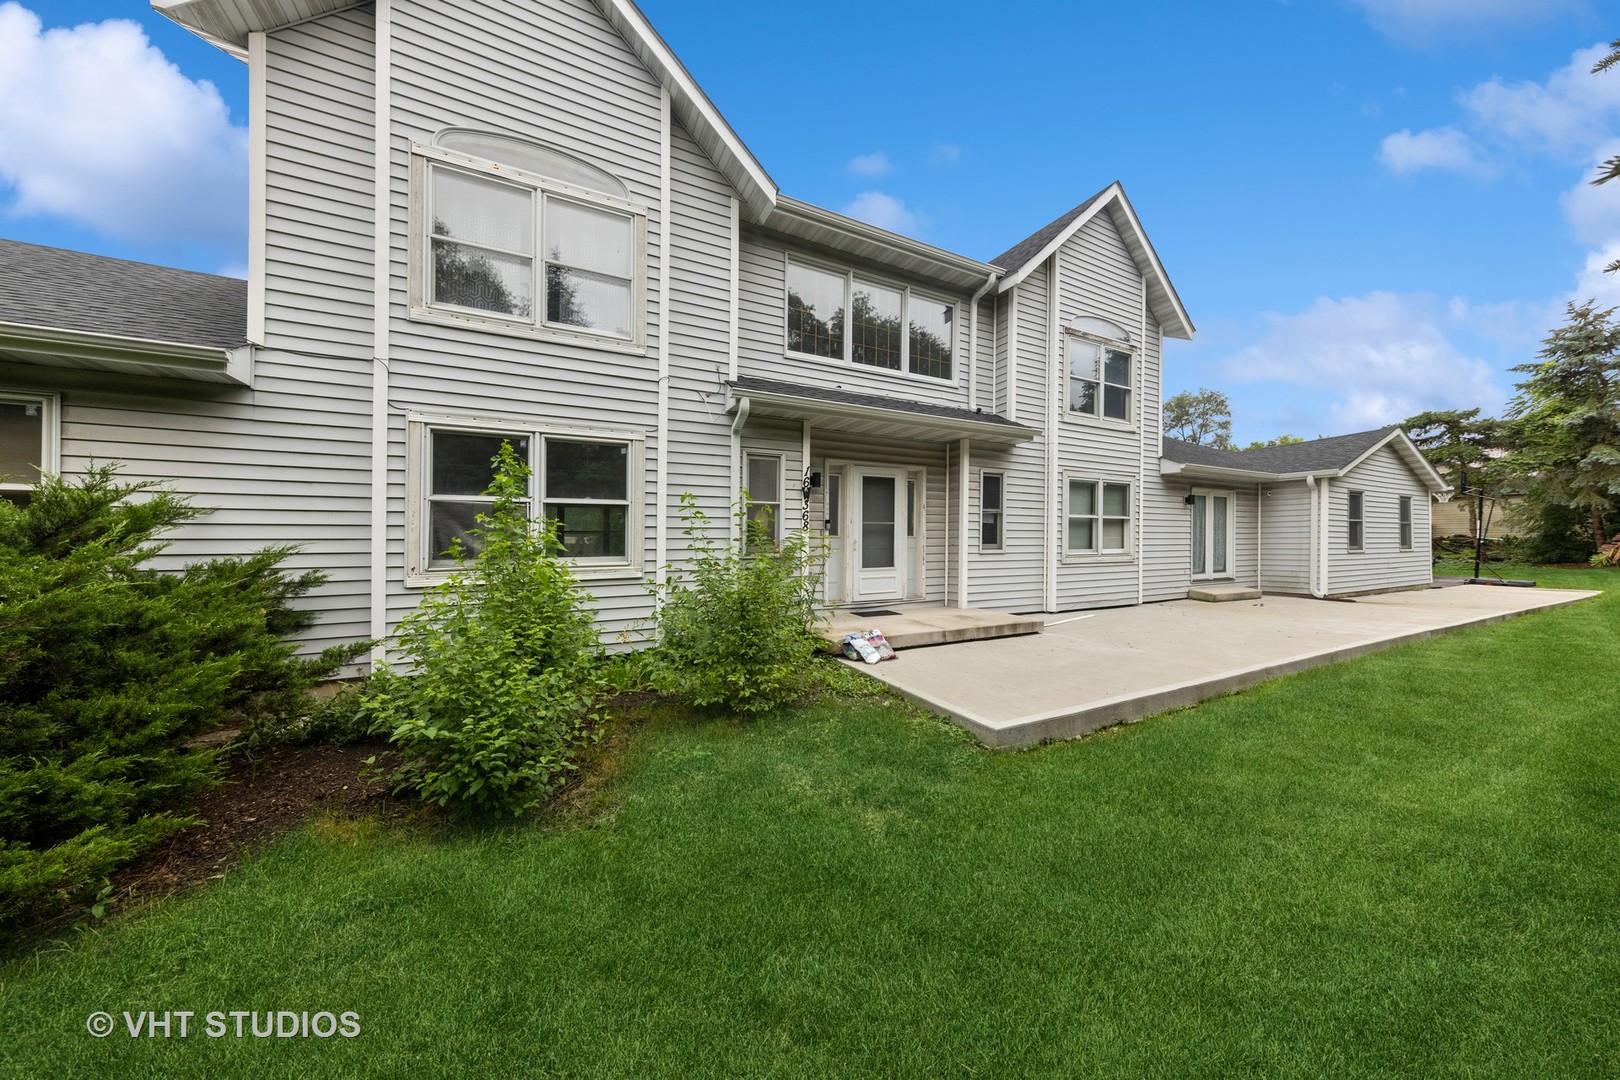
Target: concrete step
(916,627)
(1219,594)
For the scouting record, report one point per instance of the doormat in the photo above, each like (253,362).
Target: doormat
(875,611)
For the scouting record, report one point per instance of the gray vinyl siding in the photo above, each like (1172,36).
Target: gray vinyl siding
(556,72)
(1285,539)
(1381,564)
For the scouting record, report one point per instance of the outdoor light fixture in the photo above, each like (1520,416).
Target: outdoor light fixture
(1189,499)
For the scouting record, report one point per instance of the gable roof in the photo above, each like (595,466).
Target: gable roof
(1023,257)
(1332,456)
(227,23)
(55,289)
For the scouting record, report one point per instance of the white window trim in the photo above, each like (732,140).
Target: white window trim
(1100,554)
(907,292)
(1000,512)
(1350,498)
(1098,419)
(418,574)
(777,523)
(1405,522)
(426,158)
(50,451)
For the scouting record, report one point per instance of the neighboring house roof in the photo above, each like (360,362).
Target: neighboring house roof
(70,290)
(874,412)
(227,23)
(1023,257)
(69,309)
(1331,456)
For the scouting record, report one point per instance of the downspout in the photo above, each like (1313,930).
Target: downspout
(973,341)
(962,522)
(1316,527)
(1324,561)
(731,366)
(1052,505)
(1141,450)
(381,254)
(1259,537)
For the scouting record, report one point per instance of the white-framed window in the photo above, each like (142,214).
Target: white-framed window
(842,315)
(762,479)
(1355,519)
(1099,518)
(991,494)
(1406,522)
(513,236)
(587,483)
(29,439)
(1099,378)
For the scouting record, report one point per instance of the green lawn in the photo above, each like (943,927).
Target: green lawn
(1403,865)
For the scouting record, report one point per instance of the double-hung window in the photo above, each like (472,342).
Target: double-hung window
(515,236)
(1356,519)
(764,478)
(1099,518)
(1099,379)
(584,484)
(1406,522)
(28,440)
(990,499)
(846,316)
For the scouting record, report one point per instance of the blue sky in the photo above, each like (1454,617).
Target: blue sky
(1369,207)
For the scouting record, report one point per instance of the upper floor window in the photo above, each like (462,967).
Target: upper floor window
(517,235)
(28,439)
(1100,362)
(847,316)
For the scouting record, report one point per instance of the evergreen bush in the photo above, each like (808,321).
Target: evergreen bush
(504,674)
(108,670)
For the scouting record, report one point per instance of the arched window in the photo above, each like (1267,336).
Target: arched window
(519,236)
(1100,362)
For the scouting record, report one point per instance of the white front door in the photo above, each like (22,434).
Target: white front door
(1212,533)
(877,534)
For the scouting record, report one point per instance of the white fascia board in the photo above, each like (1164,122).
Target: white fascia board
(227,23)
(791,211)
(1410,454)
(1039,258)
(1167,467)
(816,408)
(174,358)
(692,105)
(1182,327)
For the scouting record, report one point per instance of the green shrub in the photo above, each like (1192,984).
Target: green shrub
(108,670)
(737,630)
(504,682)
(1550,533)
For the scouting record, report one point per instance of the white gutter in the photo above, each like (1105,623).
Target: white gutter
(176,358)
(258,183)
(1050,503)
(381,253)
(737,422)
(973,341)
(1141,455)
(1012,356)
(666,235)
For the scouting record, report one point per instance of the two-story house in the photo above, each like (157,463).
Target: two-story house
(524,221)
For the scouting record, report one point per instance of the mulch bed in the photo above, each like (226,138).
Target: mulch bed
(259,799)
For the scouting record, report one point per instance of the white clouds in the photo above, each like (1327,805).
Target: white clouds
(1440,148)
(1565,116)
(1420,22)
(884,211)
(945,154)
(872,166)
(99,128)
(1372,360)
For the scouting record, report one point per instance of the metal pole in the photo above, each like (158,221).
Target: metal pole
(1479,531)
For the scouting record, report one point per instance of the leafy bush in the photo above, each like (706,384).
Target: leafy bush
(501,699)
(108,669)
(1550,533)
(737,630)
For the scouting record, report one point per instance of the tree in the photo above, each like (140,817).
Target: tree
(1281,440)
(1460,444)
(1566,419)
(1203,418)
(1609,170)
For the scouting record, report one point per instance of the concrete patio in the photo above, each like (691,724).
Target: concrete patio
(1089,670)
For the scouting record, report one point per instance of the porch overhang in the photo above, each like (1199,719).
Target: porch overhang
(1215,473)
(871,414)
(49,346)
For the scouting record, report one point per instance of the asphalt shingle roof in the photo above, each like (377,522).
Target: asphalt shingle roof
(1316,455)
(746,383)
(1031,245)
(71,290)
